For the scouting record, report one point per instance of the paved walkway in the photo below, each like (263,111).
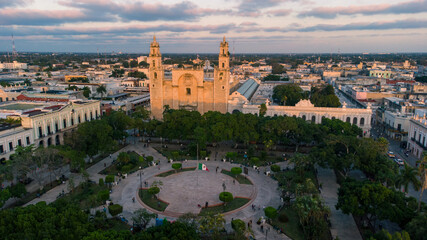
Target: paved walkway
(267,189)
(342,225)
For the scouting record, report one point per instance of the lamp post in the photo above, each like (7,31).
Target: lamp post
(140,177)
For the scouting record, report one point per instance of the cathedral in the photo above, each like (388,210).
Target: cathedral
(196,88)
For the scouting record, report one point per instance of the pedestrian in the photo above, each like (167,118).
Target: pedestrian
(133,199)
(234,181)
(262,228)
(105,164)
(110,156)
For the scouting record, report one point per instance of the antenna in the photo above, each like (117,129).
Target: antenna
(234,44)
(14,53)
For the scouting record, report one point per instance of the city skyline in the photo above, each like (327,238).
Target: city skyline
(272,26)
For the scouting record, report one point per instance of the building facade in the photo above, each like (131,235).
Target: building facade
(189,88)
(417,136)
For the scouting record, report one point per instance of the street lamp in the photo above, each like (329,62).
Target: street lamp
(140,177)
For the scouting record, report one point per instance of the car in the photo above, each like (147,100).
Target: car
(391,154)
(399,161)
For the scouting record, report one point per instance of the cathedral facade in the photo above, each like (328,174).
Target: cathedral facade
(194,88)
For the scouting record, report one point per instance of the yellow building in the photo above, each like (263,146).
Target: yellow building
(189,88)
(67,78)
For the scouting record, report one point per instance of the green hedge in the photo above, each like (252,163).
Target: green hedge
(115,209)
(109,178)
(238,225)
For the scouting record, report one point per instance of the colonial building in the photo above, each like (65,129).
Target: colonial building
(42,123)
(189,88)
(417,143)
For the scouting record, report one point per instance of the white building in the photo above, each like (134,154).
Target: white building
(417,136)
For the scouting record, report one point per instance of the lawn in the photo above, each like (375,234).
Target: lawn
(86,195)
(235,204)
(104,155)
(292,227)
(167,153)
(114,170)
(170,172)
(240,178)
(152,202)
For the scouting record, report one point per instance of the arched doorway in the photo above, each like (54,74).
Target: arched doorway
(49,141)
(41,143)
(57,142)
(355,120)
(235,111)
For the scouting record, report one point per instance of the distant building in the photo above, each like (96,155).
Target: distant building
(188,88)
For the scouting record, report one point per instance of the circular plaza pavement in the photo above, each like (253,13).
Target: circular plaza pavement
(188,191)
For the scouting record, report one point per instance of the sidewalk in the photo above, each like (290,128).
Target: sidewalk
(343,226)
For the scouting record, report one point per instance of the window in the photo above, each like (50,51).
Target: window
(28,140)
(64,123)
(85,117)
(399,127)
(96,113)
(1,149)
(72,121)
(355,121)
(78,119)
(91,117)
(19,142)
(348,119)
(40,132)
(362,121)
(48,130)
(10,146)
(154,65)
(188,91)
(223,65)
(56,127)
(155,75)
(223,88)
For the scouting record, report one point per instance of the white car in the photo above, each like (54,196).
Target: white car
(391,154)
(399,161)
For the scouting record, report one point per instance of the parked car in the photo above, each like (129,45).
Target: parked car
(399,161)
(391,154)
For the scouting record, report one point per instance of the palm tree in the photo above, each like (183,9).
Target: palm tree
(101,90)
(407,176)
(422,171)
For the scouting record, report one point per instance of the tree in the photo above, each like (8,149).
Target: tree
(86,92)
(236,171)
(275,168)
(94,136)
(270,212)
(311,212)
(136,74)
(212,225)
(408,175)
(262,109)
(142,217)
(226,197)
(154,190)
(176,166)
(101,90)
(288,94)
(133,64)
(123,158)
(417,227)
(422,171)
(115,209)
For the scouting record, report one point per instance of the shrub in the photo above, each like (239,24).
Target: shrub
(238,225)
(101,182)
(254,161)
(103,195)
(141,159)
(275,168)
(109,178)
(226,197)
(176,166)
(127,168)
(123,158)
(236,170)
(203,154)
(283,218)
(270,212)
(231,155)
(175,155)
(17,190)
(153,190)
(149,158)
(115,209)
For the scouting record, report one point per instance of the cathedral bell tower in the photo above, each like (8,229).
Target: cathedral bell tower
(156,75)
(222,78)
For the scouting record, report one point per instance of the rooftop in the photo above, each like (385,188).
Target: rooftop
(248,88)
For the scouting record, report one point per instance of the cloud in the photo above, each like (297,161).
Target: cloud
(10,3)
(43,17)
(248,24)
(144,11)
(399,24)
(416,6)
(279,12)
(122,30)
(252,8)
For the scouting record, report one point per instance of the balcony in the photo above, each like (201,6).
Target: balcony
(419,144)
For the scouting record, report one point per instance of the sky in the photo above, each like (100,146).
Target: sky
(191,26)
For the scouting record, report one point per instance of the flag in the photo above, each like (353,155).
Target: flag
(203,167)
